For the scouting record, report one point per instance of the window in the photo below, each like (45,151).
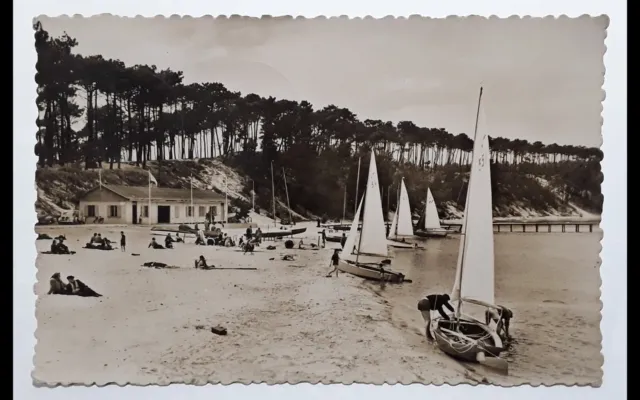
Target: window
(202,211)
(91,211)
(189,211)
(145,211)
(113,211)
(177,211)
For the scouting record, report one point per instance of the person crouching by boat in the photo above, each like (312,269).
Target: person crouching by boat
(502,317)
(335,260)
(78,288)
(434,302)
(56,286)
(155,244)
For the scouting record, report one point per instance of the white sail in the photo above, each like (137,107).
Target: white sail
(373,240)
(405,224)
(431,217)
(347,252)
(394,224)
(475,271)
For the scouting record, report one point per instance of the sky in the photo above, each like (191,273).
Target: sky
(542,78)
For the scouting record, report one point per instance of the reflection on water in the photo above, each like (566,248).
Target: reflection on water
(551,281)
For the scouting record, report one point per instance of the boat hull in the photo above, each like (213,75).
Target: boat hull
(334,239)
(401,245)
(283,233)
(432,233)
(370,271)
(474,340)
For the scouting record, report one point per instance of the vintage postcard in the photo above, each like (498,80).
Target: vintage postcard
(277,199)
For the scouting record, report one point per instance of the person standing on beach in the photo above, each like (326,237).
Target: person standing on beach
(335,260)
(123,241)
(324,238)
(343,240)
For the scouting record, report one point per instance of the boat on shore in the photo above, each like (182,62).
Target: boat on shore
(429,224)
(187,230)
(402,226)
(466,335)
(365,253)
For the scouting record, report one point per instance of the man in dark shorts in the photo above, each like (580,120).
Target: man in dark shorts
(335,259)
(434,302)
(502,317)
(123,241)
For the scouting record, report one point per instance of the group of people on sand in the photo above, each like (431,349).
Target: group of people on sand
(74,287)
(99,242)
(58,246)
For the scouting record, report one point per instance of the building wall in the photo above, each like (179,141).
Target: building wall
(102,201)
(103,209)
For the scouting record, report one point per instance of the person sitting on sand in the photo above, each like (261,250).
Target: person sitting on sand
(178,238)
(56,286)
(155,244)
(168,241)
(106,244)
(78,288)
(502,317)
(95,239)
(247,248)
(201,263)
(58,247)
(199,241)
(434,302)
(301,245)
(335,260)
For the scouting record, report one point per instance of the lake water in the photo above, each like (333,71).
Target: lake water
(551,281)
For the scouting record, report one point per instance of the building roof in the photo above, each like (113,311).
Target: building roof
(136,193)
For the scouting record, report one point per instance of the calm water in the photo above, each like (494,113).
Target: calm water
(551,281)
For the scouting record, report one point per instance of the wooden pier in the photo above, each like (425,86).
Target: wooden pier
(537,227)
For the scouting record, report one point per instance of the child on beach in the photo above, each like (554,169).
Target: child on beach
(123,241)
(335,259)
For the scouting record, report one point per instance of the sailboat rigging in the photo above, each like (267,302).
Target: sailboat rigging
(466,335)
(365,252)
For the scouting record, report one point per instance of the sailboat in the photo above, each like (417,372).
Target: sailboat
(465,335)
(365,252)
(402,226)
(431,220)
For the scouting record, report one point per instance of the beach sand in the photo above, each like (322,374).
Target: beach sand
(286,321)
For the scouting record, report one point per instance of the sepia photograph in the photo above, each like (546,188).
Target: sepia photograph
(287,200)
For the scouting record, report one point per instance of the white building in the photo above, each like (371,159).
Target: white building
(130,205)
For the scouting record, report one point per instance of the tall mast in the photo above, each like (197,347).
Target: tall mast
(357,184)
(286,190)
(466,216)
(344,205)
(273,197)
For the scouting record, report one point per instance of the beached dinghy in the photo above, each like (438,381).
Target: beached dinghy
(431,220)
(466,336)
(402,226)
(365,253)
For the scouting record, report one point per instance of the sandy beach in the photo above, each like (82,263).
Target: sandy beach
(286,322)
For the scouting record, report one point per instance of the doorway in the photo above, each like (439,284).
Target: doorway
(134,212)
(164,214)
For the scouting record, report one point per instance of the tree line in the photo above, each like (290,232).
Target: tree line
(95,110)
